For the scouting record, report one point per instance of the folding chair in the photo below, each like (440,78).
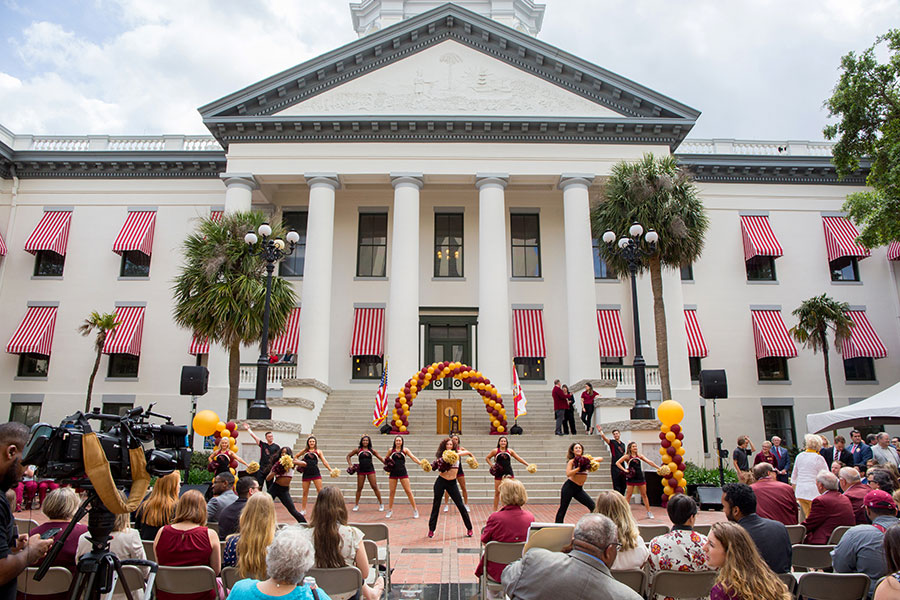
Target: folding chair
(214,525)
(187,580)
(148,550)
(796,533)
(498,552)
(372,557)
(703,529)
(636,579)
(833,586)
(648,532)
(58,580)
(230,576)
(341,583)
(554,538)
(134,577)
(789,580)
(25,525)
(378,532)
(811,556)
(682,584)
(837,534)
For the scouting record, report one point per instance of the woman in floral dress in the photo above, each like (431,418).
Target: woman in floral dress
(682,548)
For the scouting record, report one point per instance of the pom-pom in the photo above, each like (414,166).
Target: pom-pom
(532,468)
(664,471)
(495,469)
(595,464)
(582,463)
(352,469)
(286,461)
(335,473)
(252,468)
(450,456)
(470,460)
(426,466)
(389,464)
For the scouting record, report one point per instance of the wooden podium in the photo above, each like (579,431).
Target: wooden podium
(445,408)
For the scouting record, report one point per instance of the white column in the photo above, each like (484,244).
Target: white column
(494,316)
(238,191)
(679,366)
(315,315)
(403,298)
(581,302)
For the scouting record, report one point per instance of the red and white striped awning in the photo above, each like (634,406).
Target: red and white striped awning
(35,332)
(216,215)
(368,332)
(2,246)
(759,239)
(612,340)
(199,345)
(863,339)
(51,233)
(893,250)
(126,338)
(771,335)
(528,324)
(695,342)
(137,233)
(840,239)
(288,341)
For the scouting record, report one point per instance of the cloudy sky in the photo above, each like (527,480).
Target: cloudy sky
(757,69)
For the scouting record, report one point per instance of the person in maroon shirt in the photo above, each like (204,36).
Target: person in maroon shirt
(509,524)
(60,506)
(774,500)
(830,509)
(765,455)
(855,491)
(560,404)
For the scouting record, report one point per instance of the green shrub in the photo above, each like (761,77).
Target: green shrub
(702,476)
(199,459)
(196,476)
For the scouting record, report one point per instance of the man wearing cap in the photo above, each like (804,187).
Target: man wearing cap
(860,550)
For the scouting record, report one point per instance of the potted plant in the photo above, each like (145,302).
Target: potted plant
(697,477)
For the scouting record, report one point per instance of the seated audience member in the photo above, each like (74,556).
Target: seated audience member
(889,587)
(829,509)
(509,524)
(682,548)
(584,572)
(855,491)
(230,516)
(861,548)
(774,500)
(188,543)
(158,508)
(336,544)
(771,537)
(765,455)
(223,495)
(880,479)
(742,573)
(60,506)
(247,550)
(633,552)
(288,558)
(836,467)
(837,453)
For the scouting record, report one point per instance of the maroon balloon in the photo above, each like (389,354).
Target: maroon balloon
(487,381)
(662,436)
(397,404)
(230,425)
(671,452)
(233,464)
(503,422)
(665,443)
(679,490)
(675,428)
(673,483)
(234,434)
(679,436)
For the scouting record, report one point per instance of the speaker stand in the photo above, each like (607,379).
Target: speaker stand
(718,443)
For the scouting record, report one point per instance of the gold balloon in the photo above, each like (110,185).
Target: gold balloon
(670,436)
(668,491)
(670,412)
(664,428)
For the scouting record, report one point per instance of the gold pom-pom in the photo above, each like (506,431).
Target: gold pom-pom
(595,464)
(470,460)
(426,466)
(664,471)
(252,468)
(532,468)
(335,472)
(450,457)
(287,461)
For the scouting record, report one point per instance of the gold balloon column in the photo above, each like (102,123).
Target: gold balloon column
(670,413)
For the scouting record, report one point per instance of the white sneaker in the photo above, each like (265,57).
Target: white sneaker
(356,508)
(650,515)
(446,507)
(415,514)
(381,508)
(303,513)
(467,507)
(388,515)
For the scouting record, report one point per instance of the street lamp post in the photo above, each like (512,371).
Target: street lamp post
(633,251)
(271,251)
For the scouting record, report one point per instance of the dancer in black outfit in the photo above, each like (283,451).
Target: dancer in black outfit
(634,474)
(502,456)
(617,450)
(365,470)
(311,455)
(460,478)
(446,482)
(395,465)
(279,478)
(576,472)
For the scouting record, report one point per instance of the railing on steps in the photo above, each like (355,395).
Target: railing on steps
(624,376)
(275,374)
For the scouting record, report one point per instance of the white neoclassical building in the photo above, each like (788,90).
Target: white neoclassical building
(440,171)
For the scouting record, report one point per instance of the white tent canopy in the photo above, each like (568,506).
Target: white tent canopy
(881,409)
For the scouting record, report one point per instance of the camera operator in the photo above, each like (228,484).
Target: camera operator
(16,551)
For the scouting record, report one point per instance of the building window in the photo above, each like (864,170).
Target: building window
(526,245)
(367,367)
(531,369)
(703,429)
(27,413)
(448,245)
(761,268)
(687,272)
(694,362)
(601,269)
(772,368)
(844,269)
(371,258)
(48,264)
(135,264)
(33,365)
(861,368)
(114,408)
(123,365)
(292,266)
(779,420)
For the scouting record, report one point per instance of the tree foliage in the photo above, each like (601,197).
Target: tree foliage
(103,324)
(866,99)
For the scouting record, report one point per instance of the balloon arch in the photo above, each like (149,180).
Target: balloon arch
(493,402)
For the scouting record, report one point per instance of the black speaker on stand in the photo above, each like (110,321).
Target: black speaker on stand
(194,382)
(714,385)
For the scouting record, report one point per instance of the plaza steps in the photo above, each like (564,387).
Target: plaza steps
(347,415)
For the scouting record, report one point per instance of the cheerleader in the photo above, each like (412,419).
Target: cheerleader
(311,456)
(222,456)
(460,477)
(502,465)
(365,469)
(577,469)
(279,478)
(446,482)
(395,465)
(634,474)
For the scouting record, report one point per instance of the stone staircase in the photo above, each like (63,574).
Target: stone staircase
(347,415)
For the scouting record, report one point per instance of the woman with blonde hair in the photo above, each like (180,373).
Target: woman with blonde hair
(159,507)
(743,575)
(633,553)
(59,507)
(807,465)
(247,550)
(188,543)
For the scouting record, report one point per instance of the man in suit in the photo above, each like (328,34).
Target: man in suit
(774,500)
(771,537)
(782,460)
(231,514)
(859,450)
(828,510)
(582,573)
(837,452)
(560,404)
(855,491)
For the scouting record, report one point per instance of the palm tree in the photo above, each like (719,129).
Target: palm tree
(659,195)
(220,292)
(103,324)
(816,316)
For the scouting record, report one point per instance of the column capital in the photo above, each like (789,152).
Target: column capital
(483,179)
(330,179)
(416,179)
(246,180)
(567,179)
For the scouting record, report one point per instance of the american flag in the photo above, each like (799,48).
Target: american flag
(381,403)
(519,400)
